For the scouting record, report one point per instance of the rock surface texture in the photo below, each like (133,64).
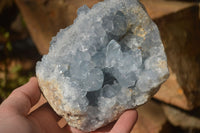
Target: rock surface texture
(111,59)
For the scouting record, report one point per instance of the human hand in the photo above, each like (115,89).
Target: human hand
(15,117)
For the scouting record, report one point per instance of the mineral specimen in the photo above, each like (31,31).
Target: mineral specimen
(111,59)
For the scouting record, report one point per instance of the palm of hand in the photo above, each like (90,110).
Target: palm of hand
(15,117)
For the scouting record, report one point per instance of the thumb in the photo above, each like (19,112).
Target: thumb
(126,122)
(23,98)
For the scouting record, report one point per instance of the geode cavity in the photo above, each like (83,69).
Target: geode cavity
(111,59)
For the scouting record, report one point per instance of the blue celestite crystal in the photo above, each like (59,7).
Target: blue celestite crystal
(111,59)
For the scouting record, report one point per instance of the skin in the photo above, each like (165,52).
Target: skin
(15,117)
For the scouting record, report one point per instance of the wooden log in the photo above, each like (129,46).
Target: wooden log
(180,33)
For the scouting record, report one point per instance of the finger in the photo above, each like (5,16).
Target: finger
(126,122)
(45,118)
(23,98)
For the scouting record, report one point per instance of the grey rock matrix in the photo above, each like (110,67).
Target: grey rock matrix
(111,59)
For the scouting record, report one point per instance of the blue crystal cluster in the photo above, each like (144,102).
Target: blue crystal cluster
(111,59)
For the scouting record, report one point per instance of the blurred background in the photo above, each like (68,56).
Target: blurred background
(27,26)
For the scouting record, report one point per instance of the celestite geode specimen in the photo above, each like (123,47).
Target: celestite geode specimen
(111,59)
